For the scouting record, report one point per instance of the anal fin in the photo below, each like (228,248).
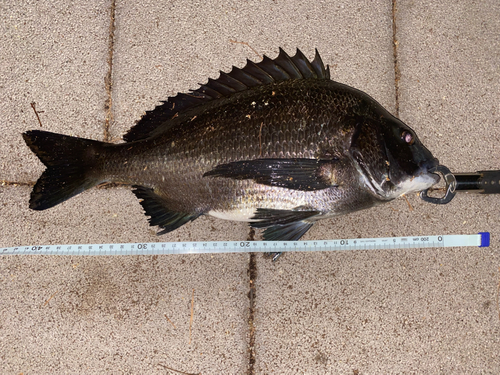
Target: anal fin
(287,232)
(283,225)
(156,207)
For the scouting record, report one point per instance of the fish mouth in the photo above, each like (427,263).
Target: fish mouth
(430,167)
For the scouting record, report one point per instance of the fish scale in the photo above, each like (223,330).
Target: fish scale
(276,143)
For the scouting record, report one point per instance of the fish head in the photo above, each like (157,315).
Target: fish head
(392,161)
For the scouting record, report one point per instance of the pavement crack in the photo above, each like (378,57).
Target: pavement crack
(108,80)
(395,44)
(252,276)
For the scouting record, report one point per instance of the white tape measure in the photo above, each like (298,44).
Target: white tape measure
(154,248)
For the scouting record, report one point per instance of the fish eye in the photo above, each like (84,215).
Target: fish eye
(407,137)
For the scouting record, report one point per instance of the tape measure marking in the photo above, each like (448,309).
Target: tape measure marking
(160,248)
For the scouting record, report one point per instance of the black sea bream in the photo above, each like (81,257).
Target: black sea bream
(277,144)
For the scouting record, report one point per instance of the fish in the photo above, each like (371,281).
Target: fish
(277,144)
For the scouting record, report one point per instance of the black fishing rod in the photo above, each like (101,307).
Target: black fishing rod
(482,182)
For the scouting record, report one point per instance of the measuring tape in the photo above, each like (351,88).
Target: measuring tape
(481,239)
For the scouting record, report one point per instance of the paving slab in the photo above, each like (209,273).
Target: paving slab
(124,315)
(449,82)
(55,55)
(396,311)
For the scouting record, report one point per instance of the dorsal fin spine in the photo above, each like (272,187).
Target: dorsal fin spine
(288,65)
(255,69)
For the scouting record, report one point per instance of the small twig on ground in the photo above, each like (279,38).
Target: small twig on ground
(248,45)
(177,371)
(498,295)
(170,321)
(407,201)
(36,113)
(46,302)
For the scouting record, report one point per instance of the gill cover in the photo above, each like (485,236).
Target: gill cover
(370,155)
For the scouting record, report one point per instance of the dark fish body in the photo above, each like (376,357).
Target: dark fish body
(276,143)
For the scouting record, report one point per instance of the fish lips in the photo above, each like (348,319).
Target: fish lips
(430,167)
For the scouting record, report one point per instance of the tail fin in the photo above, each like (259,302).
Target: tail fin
(70,163)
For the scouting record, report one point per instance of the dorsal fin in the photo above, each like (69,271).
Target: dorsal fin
(253,74)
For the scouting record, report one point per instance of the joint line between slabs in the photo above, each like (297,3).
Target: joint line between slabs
(108,80)
(395,43)
(252,276)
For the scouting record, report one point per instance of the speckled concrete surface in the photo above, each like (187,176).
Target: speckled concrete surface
(367,312)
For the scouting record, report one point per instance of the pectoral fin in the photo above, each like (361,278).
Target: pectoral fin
(296,173)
